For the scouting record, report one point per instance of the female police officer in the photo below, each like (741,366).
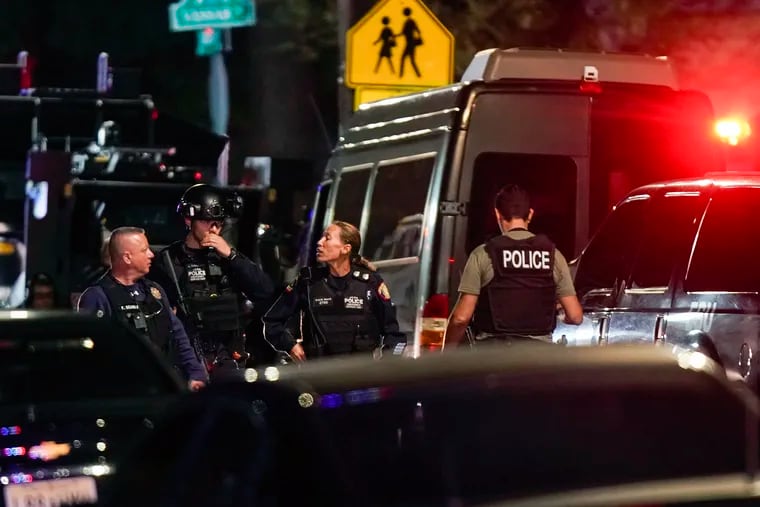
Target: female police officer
(342,307)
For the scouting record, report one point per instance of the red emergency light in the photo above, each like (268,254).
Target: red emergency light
(732,130)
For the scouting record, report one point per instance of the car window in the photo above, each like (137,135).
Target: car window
(725,254)
(610,254)
(60,365)
(350,199)
(398,200)
(668,236)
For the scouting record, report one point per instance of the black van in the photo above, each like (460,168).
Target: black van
(418,173)
(676,263)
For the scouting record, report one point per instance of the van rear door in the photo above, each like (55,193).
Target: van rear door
(539,141)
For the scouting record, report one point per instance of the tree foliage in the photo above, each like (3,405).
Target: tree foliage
(303,29)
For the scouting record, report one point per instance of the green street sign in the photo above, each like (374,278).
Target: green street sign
(208,42)
(199,14)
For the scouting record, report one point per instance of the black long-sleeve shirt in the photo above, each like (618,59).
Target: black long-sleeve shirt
(244,275)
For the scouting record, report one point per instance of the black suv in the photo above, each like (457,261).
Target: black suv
(676,263)
(75,392)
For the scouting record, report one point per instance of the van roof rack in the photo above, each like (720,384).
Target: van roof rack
(559,64)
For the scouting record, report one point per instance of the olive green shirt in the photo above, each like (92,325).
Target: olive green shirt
(479,271)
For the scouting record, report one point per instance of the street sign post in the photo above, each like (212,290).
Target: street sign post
(399,43)
(208,42)
(199,14)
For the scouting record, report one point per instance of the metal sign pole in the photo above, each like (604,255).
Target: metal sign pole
(345,94)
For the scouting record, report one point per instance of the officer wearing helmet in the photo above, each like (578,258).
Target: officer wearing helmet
(208,280)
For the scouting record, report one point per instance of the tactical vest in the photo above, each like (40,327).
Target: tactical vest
(521,297)
(213,305)
(344,317)
(148,317)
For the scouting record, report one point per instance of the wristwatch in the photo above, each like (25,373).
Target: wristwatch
(233,254)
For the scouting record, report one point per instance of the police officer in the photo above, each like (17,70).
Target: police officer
(342,307)
(209,279)
(41,292)
(512,283)
(124,295)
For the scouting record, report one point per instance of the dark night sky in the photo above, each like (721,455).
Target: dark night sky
(65,38)
(278,104)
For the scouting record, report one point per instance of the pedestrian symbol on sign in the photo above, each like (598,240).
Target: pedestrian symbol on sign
(413,36)
(409,47)
(389,42)
(413,39)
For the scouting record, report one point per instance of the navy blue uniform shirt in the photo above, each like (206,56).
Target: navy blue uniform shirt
(94,299)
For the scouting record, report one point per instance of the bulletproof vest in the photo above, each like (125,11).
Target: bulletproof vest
(521,297)
(213,305)
(148,317)
(344,315)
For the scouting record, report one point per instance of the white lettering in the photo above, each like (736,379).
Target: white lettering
(707,309)
(521,259)
(353,303)
(518,259)
(210,15)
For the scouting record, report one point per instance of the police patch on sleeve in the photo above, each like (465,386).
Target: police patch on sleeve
(383,292)
(155,292)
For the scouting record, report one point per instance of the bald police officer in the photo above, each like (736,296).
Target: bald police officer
(512,283)
(124,295)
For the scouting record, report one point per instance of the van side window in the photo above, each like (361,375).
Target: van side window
(398,202)
(725,255)
(610,254)
(351,191)
(668,236)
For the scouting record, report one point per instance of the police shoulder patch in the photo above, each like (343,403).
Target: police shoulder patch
(155,292)
(383,292)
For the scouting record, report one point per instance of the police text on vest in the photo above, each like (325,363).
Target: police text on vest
(526,259)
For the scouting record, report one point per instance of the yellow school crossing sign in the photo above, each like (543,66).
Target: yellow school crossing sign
(399,43)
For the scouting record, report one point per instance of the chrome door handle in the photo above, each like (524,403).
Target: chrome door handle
(604,330)
(659,330)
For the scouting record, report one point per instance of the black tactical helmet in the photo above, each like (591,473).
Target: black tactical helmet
(205,202)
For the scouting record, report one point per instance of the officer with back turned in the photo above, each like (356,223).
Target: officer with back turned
(210,280)
(512,284)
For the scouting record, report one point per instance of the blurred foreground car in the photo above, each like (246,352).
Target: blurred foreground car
(462,428)
(735,490)
(75,391)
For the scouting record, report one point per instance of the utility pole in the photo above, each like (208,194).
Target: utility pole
(345,94)
(349,13)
